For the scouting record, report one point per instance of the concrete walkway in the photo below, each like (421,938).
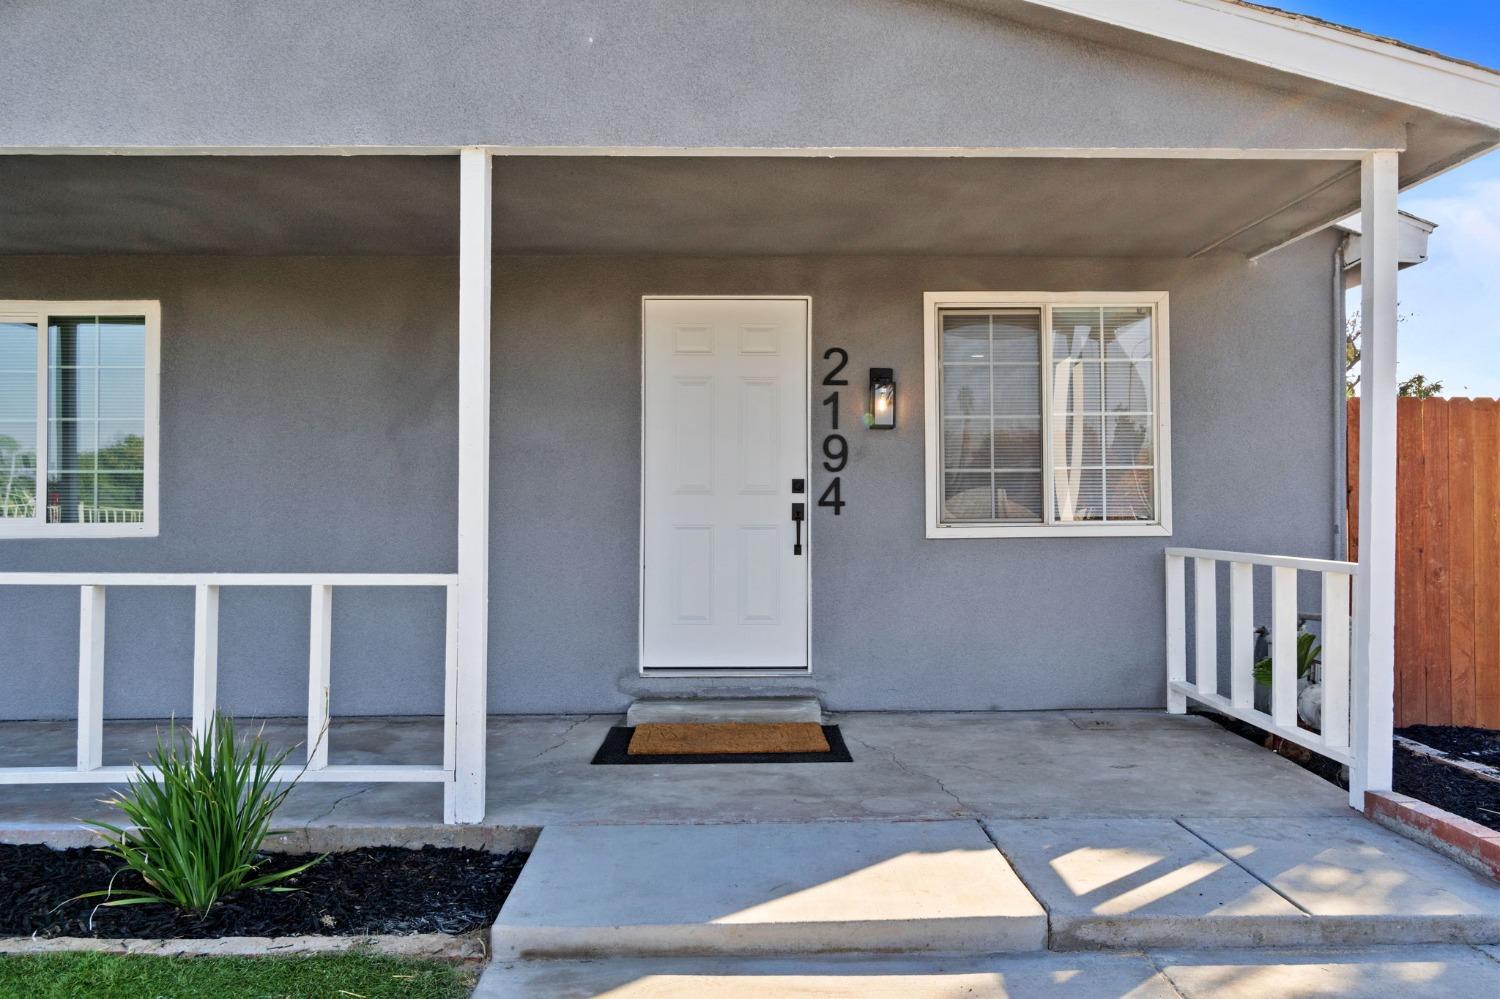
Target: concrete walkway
(788,889)
(769,889)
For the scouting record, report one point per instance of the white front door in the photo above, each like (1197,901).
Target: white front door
(723,581)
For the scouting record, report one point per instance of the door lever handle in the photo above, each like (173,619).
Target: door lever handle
(798,513)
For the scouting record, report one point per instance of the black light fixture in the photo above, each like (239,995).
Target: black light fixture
(882,413)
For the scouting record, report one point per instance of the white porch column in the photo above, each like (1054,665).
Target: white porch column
(463,799)
(1375,588)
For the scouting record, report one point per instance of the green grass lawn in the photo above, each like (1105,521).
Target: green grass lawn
(340,976)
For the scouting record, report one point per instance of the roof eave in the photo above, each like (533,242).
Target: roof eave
(1312,49)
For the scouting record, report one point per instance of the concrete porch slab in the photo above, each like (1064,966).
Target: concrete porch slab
(1007,765)
(1114,883)
(773,889)
(659,710)
(1364,884)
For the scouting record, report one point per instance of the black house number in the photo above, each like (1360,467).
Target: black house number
(835,445)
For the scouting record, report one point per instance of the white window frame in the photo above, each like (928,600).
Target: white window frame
(935,301)
(40,312)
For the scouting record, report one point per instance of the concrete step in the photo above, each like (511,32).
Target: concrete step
(767,889)
(657,710)
(1289,882)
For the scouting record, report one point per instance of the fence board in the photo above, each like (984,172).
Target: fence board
(1447,558)
(1461,693)
(1487,562)
(1411,468)
(1434,652)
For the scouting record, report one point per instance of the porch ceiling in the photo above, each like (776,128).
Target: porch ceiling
(722,206)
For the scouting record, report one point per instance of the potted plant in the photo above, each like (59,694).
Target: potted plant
(1309,689)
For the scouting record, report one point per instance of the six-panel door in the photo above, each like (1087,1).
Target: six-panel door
(725,425)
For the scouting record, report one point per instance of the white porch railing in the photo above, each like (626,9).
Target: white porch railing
(92,588)
(1336,579)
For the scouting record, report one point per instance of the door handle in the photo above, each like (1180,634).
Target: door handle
(798,513)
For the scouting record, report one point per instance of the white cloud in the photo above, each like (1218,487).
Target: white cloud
(1453,298)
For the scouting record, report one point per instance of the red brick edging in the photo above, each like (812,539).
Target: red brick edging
(1464,840)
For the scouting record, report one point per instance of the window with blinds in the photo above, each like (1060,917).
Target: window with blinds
(77,418)
(1047,417)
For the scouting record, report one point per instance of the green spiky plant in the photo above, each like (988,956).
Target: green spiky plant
(1308,656)
(198,820)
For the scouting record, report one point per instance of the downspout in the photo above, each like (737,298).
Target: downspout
(1340,409)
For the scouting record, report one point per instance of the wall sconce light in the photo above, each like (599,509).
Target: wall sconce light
(882,413)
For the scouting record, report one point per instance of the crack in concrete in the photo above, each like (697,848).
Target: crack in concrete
(1204,840)
(562,739)
(1486,954)
(1161,972)
(336,803)
(969,810)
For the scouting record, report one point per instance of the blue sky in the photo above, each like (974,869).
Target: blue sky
(1453,299)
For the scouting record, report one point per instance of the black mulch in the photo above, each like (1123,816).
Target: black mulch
(373,890)
(1447,786)
(1478,745)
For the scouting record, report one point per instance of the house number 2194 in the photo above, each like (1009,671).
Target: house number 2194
(835,446)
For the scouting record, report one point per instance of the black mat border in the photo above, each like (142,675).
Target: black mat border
(613,752)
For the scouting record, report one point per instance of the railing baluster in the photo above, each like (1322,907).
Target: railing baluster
(1335,641)
(205,657)
(1284,646)
(1206,625)
(1242,634)
(1176,632)
(319,675)
(450,677)
(90,677)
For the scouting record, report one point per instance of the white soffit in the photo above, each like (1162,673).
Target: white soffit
(1315,50)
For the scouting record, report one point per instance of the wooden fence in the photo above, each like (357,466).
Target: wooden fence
(1447,558)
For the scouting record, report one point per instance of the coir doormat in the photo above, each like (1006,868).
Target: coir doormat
(679,746)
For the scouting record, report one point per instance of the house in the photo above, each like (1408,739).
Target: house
(541,357)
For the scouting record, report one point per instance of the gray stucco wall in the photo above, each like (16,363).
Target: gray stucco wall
(308,414)
(666,73)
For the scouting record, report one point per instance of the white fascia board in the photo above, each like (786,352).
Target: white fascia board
(1315,51)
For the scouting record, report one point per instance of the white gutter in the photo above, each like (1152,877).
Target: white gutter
(1411,244)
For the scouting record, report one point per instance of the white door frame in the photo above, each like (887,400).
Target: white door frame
(807,533)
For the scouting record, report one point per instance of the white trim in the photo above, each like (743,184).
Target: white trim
(1284,561)
(1373,648)
(464,797)
(995,152)
(39,311)
(319,675)
(205,657)
(1304,48)
(226,579)
(1301,736)
(934,301)
(807,533)
(335,774)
